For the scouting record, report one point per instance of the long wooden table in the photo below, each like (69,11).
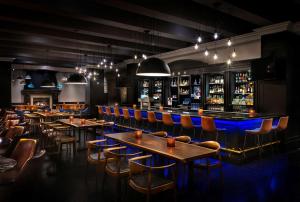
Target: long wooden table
(182,152)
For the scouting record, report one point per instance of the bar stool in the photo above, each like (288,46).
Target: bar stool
(126,116)
(209,127)
(152,119)
(100,112)
(168,121)
(117,114)
(265,128)
(138,118)
(109,114)
(281,126)
(186,123)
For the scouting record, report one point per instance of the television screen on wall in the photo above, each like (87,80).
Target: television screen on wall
(269,68)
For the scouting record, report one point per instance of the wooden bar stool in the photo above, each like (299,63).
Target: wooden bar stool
(187,124)
(168,121)
(265,128)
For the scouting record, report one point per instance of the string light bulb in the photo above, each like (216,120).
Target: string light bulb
(206,53)
(135,57)
(98,65)
(216,35)
(117,70)
(111,63)
(144,56)
(110,67)
(229,61)
(119,75)
(199,39)
(215,56)
(196,46)
(233,55)
(229,42)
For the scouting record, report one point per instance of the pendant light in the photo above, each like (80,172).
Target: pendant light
(153,67)
(233,54)
(76,79)
(206,53)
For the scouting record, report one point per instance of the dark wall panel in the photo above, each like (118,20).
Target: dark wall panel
(5,83)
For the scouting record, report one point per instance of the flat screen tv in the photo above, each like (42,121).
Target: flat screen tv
(269,68)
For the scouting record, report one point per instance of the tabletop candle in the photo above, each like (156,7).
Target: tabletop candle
(138,134)
(171,142)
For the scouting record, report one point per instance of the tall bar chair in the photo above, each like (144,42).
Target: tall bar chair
(152,120)
(138,118)
(109,113)
(100,112)
(281,126)
(168,122)
(126,117)
(209,127)
(187,124)
(117,115)
(258,133)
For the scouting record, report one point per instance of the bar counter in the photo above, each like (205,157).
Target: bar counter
(234,123)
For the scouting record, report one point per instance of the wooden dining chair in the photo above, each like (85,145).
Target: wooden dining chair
(149,179)
(116,164)
(95,155)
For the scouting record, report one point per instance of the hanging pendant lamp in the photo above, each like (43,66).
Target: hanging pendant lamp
(77,79)
(153,67)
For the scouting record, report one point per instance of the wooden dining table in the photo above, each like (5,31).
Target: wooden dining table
(182,152)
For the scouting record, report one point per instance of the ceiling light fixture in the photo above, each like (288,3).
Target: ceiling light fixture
(153,67)
(233,55)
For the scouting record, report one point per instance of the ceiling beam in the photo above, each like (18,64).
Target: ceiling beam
(235,11)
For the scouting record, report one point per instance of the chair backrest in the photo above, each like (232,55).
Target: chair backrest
(186,121)
(117,111)
(283,123)
(137,115)
(208,124)
(14,131)
(160,133)
(100,110)
(108,111)
(126,113)
(211,145)
(266,126)
(167,119)
(183,138)
(151,117)
(23,152)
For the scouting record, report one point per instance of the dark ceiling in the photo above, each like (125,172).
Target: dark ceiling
(65,32)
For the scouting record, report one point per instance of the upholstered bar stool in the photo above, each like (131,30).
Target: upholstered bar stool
(152,121)
(138,118)
(168,122)
(126,117)
(258,133)
(281,126)
(187,124)
(209,127)
(117,115)
(109,114)
(100,112)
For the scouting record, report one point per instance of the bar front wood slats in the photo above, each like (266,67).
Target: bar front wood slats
(88,124)
(182,152)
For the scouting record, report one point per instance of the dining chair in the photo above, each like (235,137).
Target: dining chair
(150,179)
(116,164)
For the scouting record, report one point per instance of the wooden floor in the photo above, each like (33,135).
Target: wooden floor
(273,178)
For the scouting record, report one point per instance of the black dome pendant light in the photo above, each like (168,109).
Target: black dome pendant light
(153,67)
